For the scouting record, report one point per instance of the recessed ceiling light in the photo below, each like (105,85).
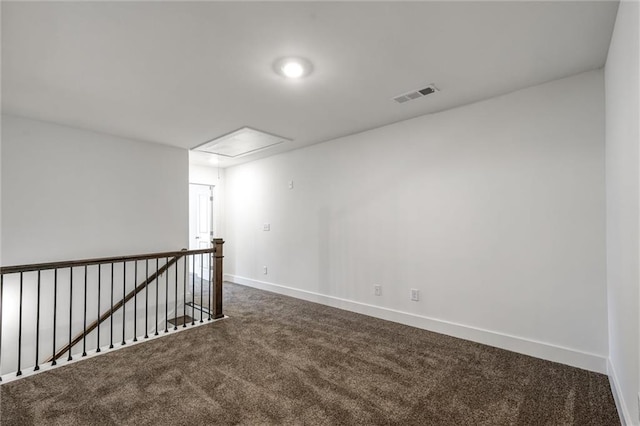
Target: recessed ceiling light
(293,68)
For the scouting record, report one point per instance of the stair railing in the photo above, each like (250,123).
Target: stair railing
(93,301)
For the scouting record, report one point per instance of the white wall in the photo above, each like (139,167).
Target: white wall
(495,211)
(74,194)
(69,193)
(623,186)
(1,120)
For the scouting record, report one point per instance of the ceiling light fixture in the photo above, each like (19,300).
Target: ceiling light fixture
(293,68)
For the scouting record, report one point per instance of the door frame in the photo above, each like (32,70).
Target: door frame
(211,222)
(193,226)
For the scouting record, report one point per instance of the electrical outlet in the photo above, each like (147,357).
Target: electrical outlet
(290,184)
(378,290)
(266,227)
(415,294)
(264,270)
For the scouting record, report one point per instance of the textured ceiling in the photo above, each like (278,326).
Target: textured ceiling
(183,73)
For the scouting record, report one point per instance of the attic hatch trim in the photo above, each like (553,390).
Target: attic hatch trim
(243,141)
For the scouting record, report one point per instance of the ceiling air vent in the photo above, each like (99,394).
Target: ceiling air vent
(416,94)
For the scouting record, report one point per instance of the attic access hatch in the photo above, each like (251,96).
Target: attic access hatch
(240,142)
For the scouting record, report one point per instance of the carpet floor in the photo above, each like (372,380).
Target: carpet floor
(279,360)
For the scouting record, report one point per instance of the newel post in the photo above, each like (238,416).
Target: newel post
(216,260)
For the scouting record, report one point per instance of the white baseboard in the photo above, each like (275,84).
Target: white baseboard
(584,360)
(623,412)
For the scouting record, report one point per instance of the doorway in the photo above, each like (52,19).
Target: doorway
(200,237)
(200,216)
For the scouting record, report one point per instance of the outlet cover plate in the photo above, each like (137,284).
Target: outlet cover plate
(415,294)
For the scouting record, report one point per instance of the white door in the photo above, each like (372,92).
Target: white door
(200,226)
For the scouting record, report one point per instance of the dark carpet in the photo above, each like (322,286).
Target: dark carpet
(279,360)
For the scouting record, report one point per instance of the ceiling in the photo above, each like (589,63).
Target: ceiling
(182,73)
